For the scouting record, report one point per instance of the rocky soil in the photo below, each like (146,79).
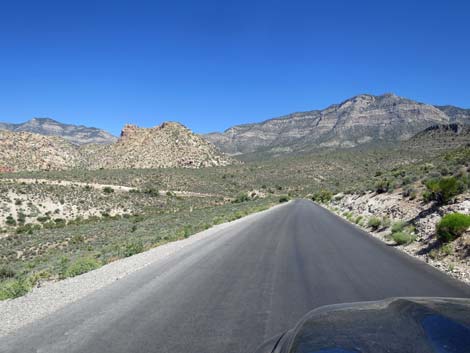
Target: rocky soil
(393,207)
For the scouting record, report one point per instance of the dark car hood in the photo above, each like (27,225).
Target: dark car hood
(418,325)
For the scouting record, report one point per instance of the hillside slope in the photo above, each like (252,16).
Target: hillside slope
(164,146)
(361,119)
(28,151)
(167,145)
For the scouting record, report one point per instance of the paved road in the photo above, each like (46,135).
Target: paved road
(229,292)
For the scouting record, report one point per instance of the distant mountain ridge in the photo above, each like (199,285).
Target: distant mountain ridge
(77,134)
(169,145)
(361,119)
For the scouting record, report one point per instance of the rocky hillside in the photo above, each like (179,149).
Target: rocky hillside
(77,134)
(361,119)
(168,145)
(28,151)
(455,114)
(440,137)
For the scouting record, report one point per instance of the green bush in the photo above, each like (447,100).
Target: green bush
(241,197)
(382,186)
(133,249)
(442,190)
(108,190)
(386,222)
(6,272)
(374,223)
(187,231)
(322,196)
(403,238)
(77,239)
(10,221)
(14,288)
(452,226)
(398,226)
(283,198)
(27,228)
(82,265)
(151,192)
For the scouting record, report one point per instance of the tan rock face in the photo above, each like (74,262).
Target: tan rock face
(361,119)
(27,151)
(168,145)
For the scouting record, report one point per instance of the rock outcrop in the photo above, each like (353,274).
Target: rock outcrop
(168,145)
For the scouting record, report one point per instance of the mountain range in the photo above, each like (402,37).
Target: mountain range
(77,134)
(43,143)
(361,119)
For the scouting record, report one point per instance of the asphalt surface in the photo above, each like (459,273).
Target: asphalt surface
(229,292)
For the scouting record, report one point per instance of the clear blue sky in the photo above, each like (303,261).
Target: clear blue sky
(213,64)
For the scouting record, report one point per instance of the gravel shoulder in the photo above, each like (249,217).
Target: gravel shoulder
(52,296)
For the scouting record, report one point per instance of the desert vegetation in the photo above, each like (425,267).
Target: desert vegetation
(58,224)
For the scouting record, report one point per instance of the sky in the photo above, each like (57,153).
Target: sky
(214,64)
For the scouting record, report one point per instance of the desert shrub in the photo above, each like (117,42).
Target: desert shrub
(398,226)
(403,237)
(108,190)
(241,197)
(27,228)
(382,186)
(133,248)
(322,196)
(218,220)
(358,219)
(6,272)
(14,288)
(187,231)
(446,249)
(452,226)
(442,190)
(386,222)
(374,222)
(77,239)
(82,265)
(283,198)
(37,276)
(21,219)
(151,192)
(60,222)
(10,221)
(409,191)
(43,219)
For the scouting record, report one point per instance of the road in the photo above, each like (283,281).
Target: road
(229,292)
